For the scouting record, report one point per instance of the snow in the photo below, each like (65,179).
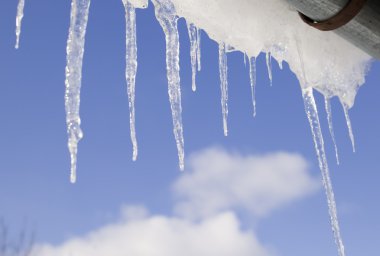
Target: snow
(334,67)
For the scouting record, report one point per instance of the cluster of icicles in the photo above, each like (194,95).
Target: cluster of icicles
(166,15)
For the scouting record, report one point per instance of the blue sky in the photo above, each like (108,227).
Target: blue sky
(34,165)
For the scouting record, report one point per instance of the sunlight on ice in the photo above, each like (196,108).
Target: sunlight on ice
(193,35)
(331,126)
(75,50)
(199,49)
(20,15)
(165,14)
(131,68)
(312,115)
(268,58)
(252,78)
(349,126)
(223,85)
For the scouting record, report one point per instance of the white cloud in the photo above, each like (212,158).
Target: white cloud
(216,184)
(163,236)
(218,181)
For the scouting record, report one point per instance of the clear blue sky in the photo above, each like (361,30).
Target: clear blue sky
(34,160)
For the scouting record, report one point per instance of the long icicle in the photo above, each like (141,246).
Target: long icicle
(268,58)
(349,126)
(199,48)
(331,126)
(165,14)
(252,78)
(131,68)
(20,15)
(312,115)
(192,30)
(75,50)
(223,85)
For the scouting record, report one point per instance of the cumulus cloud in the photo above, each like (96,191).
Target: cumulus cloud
(204,222)
(218,180)
(163,236)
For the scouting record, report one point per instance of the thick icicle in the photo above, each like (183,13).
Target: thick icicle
(75,50)
(349,126)
(223,85)
(331,127)
(192,29)
(131,68)
(268,57)
(20,15)
(252,78)
(165,14)
(199,49)
(312,115)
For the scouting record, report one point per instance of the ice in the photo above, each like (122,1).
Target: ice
(199,49)
(252,78)
(312,115)
(223,85)
(20,15)
(349,126)
(269,67)
(75,50)
(334,66)
(131,68)
(192,30)
(331,126)
(165,14)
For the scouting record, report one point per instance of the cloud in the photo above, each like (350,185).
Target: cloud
(218,181)
(204,222)
(163,236)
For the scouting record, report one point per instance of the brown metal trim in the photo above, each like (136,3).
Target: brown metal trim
(352,8)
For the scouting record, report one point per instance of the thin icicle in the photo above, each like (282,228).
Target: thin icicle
(252,78)
(349,126)
(131,68)
(165,14)
(331,127)
(199,48)
(245,58)
(192,29)
(269,66)
(75,50)
(223,85)
(312,115)
(20,15)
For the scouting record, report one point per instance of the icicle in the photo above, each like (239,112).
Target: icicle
(193,52)
(252,77)
(75,50)
(199,49)
(245,59)
(20,15)
(331,127)
(223,85)
(312,115)
(131,68)
(349,126)
(165,14)
(269,66)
